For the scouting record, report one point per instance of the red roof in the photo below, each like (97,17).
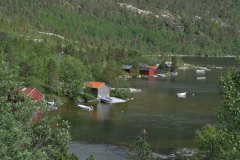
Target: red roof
(94,84)
(33,93)
(153,67)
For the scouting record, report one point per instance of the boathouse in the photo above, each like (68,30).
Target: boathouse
(155,68)
(99,89)
(128,68)
(33,94)
(147,71)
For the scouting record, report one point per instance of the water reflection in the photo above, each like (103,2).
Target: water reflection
(102,112)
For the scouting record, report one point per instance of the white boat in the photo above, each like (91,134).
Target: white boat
(51,106)
(200,71)
(134,90)
(51,103)
(204,68)
(219,67)
(181,95)
(173,73)
(183,68)
(155,76)
(89,108)
(201,78)
(162,75)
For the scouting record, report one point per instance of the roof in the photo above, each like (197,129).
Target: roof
(28,90)
(33,93)
(153,67)
(145,69)
(94,84)
(127,66)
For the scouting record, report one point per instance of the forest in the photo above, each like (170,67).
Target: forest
(58,45)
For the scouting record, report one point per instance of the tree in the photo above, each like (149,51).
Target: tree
(22,135)
(141,150)
(8,79)
(52,74)
(73,75)
(174,64)
(222,141)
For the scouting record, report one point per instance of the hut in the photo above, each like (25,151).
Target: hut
(128,68)
(33,94)
(99,89)
(147,71)
(155,68)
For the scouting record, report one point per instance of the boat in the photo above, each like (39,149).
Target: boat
(155,76)
(219,67)
(200,71)
(51,106)
(173,73)
(134,90)
(162,75)
(89,108)
(201,78)
(204,68)
(105,99)
(181,95)
(51,103)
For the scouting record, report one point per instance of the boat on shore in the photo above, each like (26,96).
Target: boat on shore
(173,73)
(51,106)
(161,75)
(105,99)
(89,108)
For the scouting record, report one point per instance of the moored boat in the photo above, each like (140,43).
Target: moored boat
(89,108)
(162,75)
(105,100)
(200,71)
(201,78)
(181,95)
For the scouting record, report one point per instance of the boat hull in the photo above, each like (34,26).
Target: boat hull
(89,108)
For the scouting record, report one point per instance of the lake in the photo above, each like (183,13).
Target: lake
(170,122)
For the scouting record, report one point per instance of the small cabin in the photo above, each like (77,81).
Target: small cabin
(99,89)
(156,68)
(147,71)
(33,94)
(128,68)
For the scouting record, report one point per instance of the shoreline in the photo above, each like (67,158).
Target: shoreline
(185,55)
(102,151)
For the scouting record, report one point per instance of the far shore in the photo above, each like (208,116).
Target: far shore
(185,55)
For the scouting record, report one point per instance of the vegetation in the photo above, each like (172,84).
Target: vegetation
(209,28)
(141,150)
(222,140)
(27,130)
(58,45)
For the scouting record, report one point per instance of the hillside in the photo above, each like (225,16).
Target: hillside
(93,38)
(182,27)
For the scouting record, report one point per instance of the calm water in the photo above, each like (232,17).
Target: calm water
(170,122)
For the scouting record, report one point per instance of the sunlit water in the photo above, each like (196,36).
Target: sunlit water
(170,122)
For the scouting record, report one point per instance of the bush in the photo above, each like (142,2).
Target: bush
(120,93)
